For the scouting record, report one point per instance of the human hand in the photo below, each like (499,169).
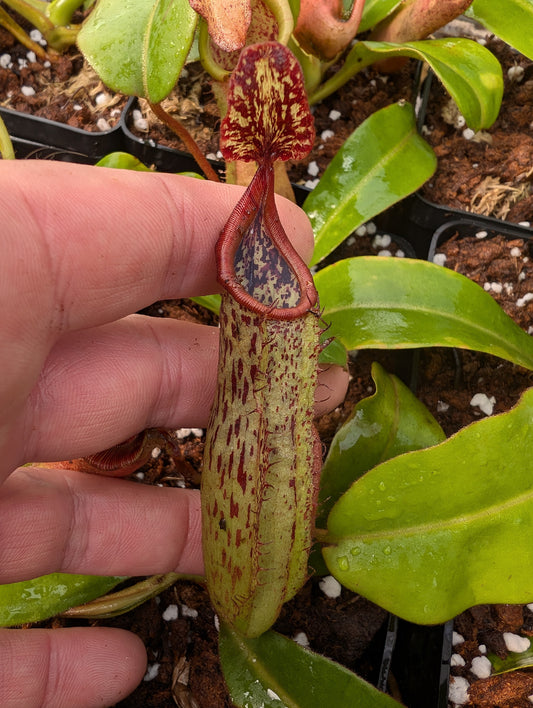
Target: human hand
(82,249)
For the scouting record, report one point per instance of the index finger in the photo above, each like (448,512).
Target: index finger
(100,243)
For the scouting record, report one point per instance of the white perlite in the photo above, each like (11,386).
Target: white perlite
(515,643)
(457,638)
(102,125)
(313,168)
(185,432)
(457,660)
(189,612)
(483,402)
(481,667)
(301,639)
(523,300)
(439,259)
(273,695)
(381,241)
(27,91)
(326,134)
(330,586)
(515,73)
(171,613)
(151,672)
(458,690)
(334,115)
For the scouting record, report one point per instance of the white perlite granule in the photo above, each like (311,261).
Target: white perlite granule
(516,643)
(171,613)
(313,168)
(481,667)
(457,660)
(301,639)
(151,672)
(102,125)
(439,259)
(334,115)
(458,690)
(330,586)
(457,638)
(483,402)
(189,612)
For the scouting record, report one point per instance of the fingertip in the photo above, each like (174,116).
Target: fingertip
(69,668)
(332,387)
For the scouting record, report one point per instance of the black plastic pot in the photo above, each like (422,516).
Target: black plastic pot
(466,224)
(88,145)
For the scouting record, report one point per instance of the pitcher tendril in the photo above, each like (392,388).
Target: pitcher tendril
(263,457)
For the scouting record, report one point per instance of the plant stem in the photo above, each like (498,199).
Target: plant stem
(183,134)
(6,146)
(20,35)
(117,603)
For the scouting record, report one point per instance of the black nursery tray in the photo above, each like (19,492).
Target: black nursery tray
(41,131)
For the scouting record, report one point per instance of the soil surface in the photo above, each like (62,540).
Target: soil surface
(63,89)
(491,172)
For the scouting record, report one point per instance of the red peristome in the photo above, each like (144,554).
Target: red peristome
(258,205)
(268,113)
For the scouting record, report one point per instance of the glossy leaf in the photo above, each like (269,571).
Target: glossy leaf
(470,73)
(379,303)
(430,533)
(513,24)
(367,175)
(49,595)
(382,426)
(375,11)
(333,352)
(138,47)
(122,161)
(275,672)
(211,302)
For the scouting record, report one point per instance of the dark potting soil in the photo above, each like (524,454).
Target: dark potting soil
(66,89)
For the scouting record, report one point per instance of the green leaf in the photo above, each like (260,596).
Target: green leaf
(375,11)
(48,595)
(367,175)
(382,426)
(432,532)
(122,161)
(512,662)
(139,47)
(374,302)
(470,73)
(333,352)
(275,672)
(210,302)
(513,24)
